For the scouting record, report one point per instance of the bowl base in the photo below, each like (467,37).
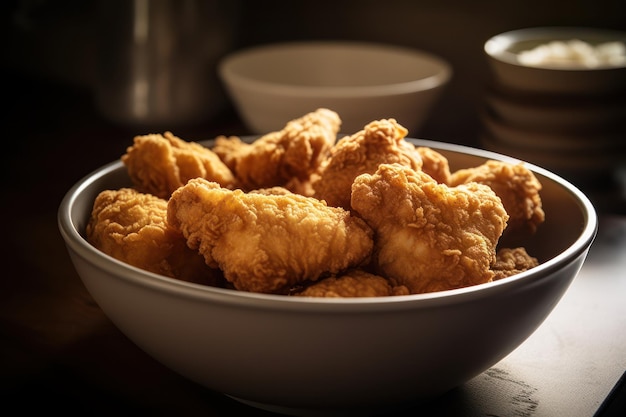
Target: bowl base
(325,412)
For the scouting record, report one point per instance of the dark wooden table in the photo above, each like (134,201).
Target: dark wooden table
(59,352)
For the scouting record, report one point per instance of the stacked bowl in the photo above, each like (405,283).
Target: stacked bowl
(558,99)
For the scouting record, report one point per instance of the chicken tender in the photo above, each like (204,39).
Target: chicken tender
(277,158)
(381,141)
(159,164)
(429,237)
(265,242)
(516,185)
(434,164)
(354,283)
(230,149)
(132,227)
(272,191)
(511,261)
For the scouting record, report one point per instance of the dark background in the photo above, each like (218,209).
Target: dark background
(58,40)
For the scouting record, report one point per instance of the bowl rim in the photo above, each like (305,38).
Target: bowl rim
(78,245)
(436,80)
(497,46)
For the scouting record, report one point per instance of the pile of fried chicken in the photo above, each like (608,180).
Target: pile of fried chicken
(304,212)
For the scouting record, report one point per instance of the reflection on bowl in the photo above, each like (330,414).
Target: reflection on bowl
(362,82)
(503,52)
(309,355)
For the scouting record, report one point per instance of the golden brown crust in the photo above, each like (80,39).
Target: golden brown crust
(515,184)
(131,227)
(159,164)
(293,211)
(511,261)
(434,164)
(429,237)
(268,242)
(354,283)
(277,158)
(381,141)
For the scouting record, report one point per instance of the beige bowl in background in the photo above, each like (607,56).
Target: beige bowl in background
(558,114)
(531,137)
(578,155)
(311,356)
(362,82)
(503,57)
(581,167)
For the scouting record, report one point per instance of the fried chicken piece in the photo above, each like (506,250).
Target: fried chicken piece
(268,243)
(277,158)
(159,164)
(428,236)
(434,164)
(354,283)
(229,149)
(131,227)
(272,191)
(511,261)
(302,187)
(381,141)
(516,185)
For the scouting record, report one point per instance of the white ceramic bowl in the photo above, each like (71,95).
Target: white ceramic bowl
(503,53)
(298,355)
(272,84)
(531,137)
(572,153)
(580,166)
(557,114)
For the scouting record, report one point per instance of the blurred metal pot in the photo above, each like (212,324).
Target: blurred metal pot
(157,60)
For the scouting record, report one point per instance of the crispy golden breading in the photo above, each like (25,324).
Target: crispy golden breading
(354,283)
(229,149)
(515,184)
(434,164)
(159,164)
(131,227)
(298,212)
(268,243)
(272,191)
(381,141)
(511,261)
(276,158)
(429,237)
